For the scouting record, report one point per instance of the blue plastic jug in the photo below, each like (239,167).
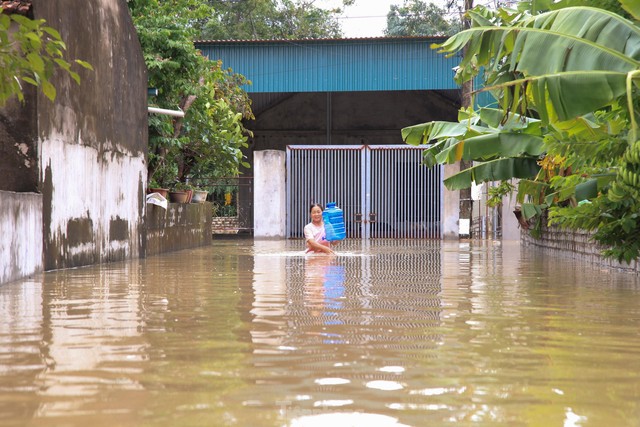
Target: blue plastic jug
(333,222)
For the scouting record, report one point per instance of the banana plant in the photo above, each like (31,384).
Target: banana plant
(576,69)
(560,64)
(502,149)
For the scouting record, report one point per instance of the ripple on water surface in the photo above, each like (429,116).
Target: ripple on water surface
(385,333)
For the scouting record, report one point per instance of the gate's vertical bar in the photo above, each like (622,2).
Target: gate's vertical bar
(394,207)
(365,157)
(347,208)
(419,209)
(435,196)
(408,217)
(385,168)
(324,156)
(356,197)
(433,202)
(300,184)
(427,207)
(397,204)
(441,197)
(378,193)
(317,167)
(417,194)
(295,164)
(288,195)
(296,190)
(427,194)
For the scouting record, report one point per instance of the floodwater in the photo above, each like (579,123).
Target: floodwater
(387,333)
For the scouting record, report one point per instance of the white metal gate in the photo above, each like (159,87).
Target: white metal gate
(383,190)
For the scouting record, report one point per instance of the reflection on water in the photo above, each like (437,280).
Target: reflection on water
(386,333)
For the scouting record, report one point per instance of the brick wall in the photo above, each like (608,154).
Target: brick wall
(575,244)
(225,225)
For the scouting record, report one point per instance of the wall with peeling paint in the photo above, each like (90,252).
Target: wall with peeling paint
(74,170)
(92,139)
(21,236)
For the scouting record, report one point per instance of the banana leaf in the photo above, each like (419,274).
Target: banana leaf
(532,189)
(576,59)
(529,210)
(495,170)
(492,146)
(631,6)
(425,132)
(495,118)
(585,190)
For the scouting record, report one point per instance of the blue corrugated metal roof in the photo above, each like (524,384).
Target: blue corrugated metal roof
(336,65)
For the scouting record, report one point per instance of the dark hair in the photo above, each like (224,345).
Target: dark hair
(313,205)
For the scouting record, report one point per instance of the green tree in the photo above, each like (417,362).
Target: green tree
(417,18)
(575,69)
(261,19)
(30,52)
(210,137)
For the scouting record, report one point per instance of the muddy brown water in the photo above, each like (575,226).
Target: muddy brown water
(386,333)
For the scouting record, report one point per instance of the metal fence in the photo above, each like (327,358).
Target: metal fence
(383,190)
(231,197)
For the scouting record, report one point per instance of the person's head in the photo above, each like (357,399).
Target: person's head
(315,205)
(315,211)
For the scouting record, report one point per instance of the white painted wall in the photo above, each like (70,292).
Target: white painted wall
(451,207)
(269,183)
(20,235)
(103,187)
(510,225)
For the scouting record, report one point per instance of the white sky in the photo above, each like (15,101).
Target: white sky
(366,18)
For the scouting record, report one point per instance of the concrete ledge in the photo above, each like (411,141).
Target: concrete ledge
(181,226)
(21,237)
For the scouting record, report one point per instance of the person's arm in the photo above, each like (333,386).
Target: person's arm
(324,246)
(312,244)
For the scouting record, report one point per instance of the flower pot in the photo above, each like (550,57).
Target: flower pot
(178,196)
(199,196)
(164,192)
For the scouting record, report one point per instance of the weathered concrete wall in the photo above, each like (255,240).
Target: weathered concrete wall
(180,226)
(18,144)
(92,139)
(576,245)
(269,183)
(20,235)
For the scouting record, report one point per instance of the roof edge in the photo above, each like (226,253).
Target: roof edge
(310,40)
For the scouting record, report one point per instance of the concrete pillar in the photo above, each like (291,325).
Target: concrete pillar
(451,206)
(269,183)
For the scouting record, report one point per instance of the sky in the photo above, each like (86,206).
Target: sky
(366,18)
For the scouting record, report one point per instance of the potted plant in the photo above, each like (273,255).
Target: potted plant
(183,187)
(155,187)
(199,195)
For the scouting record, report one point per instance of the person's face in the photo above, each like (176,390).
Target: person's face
(316,214)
